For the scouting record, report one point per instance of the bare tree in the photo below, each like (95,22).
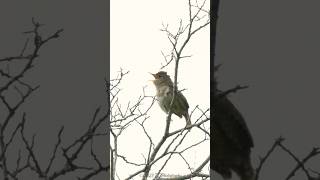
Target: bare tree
(301,162)
(13,131)
(160,153)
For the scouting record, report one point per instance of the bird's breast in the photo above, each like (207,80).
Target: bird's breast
(163,91)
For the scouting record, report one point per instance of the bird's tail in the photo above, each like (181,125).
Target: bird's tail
(187,117)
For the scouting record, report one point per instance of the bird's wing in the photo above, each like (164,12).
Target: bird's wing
(180,103)
(182,100)
(229,120)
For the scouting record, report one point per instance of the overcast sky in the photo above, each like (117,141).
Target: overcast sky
(273,46)
(136,45)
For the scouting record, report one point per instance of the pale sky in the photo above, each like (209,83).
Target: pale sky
(136,45)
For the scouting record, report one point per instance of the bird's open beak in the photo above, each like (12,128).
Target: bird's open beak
(153,75)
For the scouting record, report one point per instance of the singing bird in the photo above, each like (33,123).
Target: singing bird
(232,141)
(164,87)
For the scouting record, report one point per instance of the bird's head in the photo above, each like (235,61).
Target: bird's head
(161,78)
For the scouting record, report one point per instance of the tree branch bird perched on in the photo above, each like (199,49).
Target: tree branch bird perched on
(232,141)
(164,86)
